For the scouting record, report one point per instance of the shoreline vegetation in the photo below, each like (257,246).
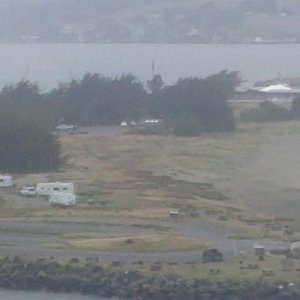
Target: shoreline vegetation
(90,279)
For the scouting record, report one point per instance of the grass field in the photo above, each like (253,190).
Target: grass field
(153,242)
(236,181)
(233,269)
(146,176)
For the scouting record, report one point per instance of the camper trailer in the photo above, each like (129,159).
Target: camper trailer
(54,187)
(6,181)
(62,199)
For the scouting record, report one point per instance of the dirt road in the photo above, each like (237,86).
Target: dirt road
(30,238)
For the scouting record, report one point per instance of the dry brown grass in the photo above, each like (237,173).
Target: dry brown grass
(146,176)
(162,242)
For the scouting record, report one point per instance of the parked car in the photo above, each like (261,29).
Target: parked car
(28,191)
(63,127)
(124,124)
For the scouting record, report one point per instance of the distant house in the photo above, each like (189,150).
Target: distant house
(274,93)
(279,92)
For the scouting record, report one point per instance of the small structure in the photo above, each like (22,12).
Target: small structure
(259,250)
(278,92)
(283,225)
(173,213)
(295,246)
(54,187)
(62,199)
(6,181)
(275,92)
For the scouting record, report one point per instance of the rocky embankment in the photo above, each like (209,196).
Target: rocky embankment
(91,279)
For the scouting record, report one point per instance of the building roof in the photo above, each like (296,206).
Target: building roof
(281,88)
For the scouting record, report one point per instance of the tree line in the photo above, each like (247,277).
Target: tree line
(99,100)
(27,116)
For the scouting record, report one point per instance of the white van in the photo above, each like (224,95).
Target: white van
(62,199)
(54,187)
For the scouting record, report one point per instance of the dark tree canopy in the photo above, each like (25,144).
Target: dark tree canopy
(26,140)
(98,100)
(27,117)
(155,84)
(201,101)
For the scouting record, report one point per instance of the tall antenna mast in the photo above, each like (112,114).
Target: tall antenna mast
(153,68)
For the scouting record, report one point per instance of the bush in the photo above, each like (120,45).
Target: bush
(267,112)
(187,127)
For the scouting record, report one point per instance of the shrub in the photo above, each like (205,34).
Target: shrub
(267,112)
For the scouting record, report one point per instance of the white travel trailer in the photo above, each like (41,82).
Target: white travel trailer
(62,199)
(54,187)
(6,181)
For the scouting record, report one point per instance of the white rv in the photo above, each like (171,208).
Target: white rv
(54,187)
(62,199)
(6,181)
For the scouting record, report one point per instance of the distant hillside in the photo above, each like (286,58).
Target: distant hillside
(150,21)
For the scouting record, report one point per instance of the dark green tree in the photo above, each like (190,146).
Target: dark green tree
(155,84)
(27,143)
(200,102)
(98,100)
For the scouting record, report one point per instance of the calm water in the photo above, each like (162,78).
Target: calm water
(12,295)
(50,64)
